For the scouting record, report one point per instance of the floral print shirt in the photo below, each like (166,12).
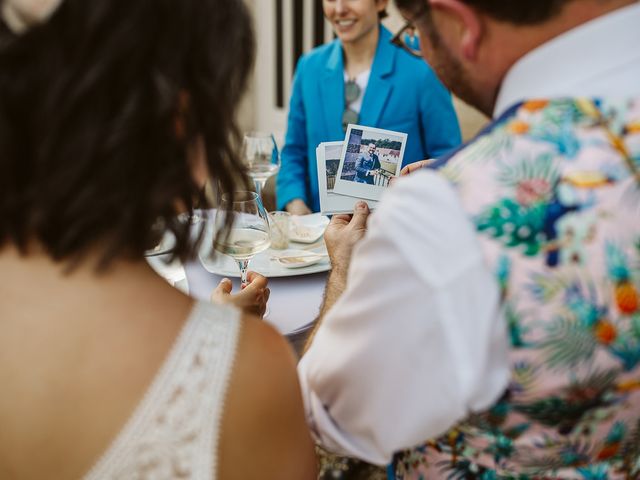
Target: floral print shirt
(553,189)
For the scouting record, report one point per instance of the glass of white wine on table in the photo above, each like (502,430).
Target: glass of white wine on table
(260,153)
(249,233)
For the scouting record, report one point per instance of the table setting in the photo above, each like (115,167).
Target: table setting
(303,254)
(296,271)
(287,249)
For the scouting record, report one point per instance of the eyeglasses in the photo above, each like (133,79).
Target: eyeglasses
(351,94)
(407,39)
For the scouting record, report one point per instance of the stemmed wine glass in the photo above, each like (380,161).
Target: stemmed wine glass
(260,153)
(249,233)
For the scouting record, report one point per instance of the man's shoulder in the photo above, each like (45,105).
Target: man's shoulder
(553,128)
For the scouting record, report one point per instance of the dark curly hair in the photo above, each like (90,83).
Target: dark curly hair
(99,109)
(520,12)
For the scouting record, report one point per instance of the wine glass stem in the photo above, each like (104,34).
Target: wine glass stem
(259,184)
(244,267)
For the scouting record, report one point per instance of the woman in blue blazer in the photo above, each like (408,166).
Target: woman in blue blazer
(402,94)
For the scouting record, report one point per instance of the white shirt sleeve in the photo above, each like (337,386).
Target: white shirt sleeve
(417,341)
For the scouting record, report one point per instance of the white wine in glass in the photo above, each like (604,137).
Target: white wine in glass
(260,153)
(249,234)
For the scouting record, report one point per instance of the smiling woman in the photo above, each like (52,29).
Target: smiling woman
(354,20)
(359,78)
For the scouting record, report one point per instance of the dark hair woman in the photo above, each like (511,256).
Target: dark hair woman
(111,115)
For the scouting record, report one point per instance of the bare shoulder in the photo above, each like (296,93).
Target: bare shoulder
(264,433)
(265,366)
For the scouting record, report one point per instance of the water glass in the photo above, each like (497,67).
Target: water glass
(279,223)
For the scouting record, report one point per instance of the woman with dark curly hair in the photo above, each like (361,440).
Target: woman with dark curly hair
(112,115)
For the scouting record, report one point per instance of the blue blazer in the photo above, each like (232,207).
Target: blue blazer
(403,94)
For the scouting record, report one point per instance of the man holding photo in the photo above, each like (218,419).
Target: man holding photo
(488,323)
(367,165)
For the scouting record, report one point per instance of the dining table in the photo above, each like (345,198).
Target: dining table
(295,300)
(293,304)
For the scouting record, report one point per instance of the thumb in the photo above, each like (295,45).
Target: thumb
(223,288)
(360,215)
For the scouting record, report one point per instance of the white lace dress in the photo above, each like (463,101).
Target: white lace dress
(174,431)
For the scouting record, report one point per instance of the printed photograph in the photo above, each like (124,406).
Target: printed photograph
(332,164)
(328,157)
(369,160)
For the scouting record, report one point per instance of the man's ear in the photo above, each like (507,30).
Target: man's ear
(469,24)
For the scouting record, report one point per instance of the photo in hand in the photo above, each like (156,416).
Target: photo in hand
(328,156)
(369,159)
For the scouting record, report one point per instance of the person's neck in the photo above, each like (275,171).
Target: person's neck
(358,55)
(524,39)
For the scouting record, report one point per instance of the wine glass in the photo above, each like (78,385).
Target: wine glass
(261,155)
(249,233)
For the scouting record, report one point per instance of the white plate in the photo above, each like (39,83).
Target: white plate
(307,228)
(166,245)
(262,263)
(168,241)
(172,272)
(292,258)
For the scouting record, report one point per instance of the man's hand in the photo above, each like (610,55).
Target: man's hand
(252,299)
(412,167)
(297,207)
(341,236)
(343,233)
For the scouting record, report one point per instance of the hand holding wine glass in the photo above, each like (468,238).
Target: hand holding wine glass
(252,299)
(249,233)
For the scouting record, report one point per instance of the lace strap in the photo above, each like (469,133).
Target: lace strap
(174,430)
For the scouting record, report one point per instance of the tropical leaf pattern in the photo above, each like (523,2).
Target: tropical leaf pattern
(548,190)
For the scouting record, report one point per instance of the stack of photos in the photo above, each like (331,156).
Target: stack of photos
(360,168)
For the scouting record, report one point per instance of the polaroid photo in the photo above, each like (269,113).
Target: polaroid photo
(328,156)
(370,158)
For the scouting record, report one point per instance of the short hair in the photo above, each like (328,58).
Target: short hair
(99,108)
(382,14)
(520,12)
